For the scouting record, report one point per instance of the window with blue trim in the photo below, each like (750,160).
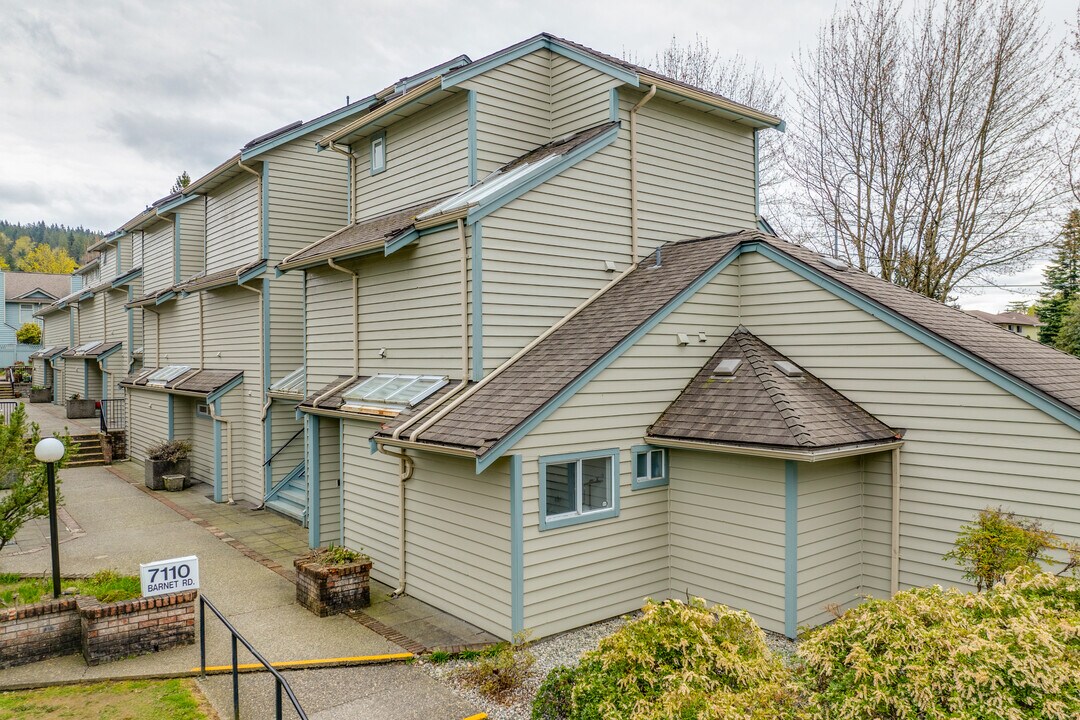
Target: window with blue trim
(378,153)
(650,467)
(579,487)
(202,410)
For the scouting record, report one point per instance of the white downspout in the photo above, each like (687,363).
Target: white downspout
(228,448)
(894,525)
(464,337)
(202,344)
(405,471)
(633,174)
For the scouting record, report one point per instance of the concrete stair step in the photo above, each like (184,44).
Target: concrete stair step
(286,507)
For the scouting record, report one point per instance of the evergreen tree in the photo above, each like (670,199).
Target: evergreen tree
(182,181)
(1061,283)
(1068,337)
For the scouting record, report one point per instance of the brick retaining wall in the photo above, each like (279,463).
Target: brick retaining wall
(331,589)
(103,632)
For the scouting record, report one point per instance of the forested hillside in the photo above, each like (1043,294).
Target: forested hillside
(74,240)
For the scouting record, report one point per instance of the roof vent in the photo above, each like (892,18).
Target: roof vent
(835,263)
(656,264)
(788,368)
(726,367)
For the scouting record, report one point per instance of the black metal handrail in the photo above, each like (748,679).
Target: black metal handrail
(287,443)
(112,414)
(279,681)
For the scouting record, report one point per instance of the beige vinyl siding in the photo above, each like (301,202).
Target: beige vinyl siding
(192,218)
(727,532)
(285,425)
(158,254)
(877,524)
(328,327)
(308,194)
(968,444)
(37,376)
(426,158)
(93,380)
(370,486)
(202,440)
(583,573)
(232,224)
(148,414)
(580,96)
(137,240)
(235,410)
(544,252)
(179,325)
(830,522)
(74,372)
(287,323)
(458,540)
(231,320)
(695,172)
(410,304)
(513,110)
(123,247)
(92,319)
(184,418)
(55,330)
(107,264)
(329,482)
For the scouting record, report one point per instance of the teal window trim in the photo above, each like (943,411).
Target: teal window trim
(650,480)
(377,139)
(578,517)
(791,548)
(200,412)
(517,547)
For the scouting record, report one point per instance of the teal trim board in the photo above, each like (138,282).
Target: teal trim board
(170,408)
(176,249)
(962,357)
(791,548)
(476,261)
(215,396)
(303,325)
(609,357)
(645,483)
(613,104)
(341,481)
(131,326)
(530,46)
(313,483)
(173,204)
(757,176)
(517,547)
(264,203)
(309,127)
(268,421)
(472,137)
(217,451)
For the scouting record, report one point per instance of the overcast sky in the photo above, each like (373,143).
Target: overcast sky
(103,103)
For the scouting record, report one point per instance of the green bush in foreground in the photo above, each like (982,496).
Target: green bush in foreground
(1010,652)
(676,661)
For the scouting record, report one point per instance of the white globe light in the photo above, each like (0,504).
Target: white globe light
(49,450)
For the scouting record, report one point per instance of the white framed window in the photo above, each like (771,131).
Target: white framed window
(378,153)
(650,467)
(202,410)
(578,487)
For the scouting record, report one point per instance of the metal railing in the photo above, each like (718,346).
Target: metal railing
(287,443)
(6,408)
(279,681)
(113,413)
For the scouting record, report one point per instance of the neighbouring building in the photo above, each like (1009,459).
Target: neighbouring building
(1014,322)
(24,294)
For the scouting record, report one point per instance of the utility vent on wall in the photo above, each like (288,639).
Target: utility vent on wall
(788,368)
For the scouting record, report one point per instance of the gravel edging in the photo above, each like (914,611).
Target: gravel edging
(565,649)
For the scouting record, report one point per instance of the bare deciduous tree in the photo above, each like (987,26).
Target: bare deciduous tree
(925,140)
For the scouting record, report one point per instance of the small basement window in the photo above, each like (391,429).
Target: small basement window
(378,153)
(650,467)
(202,410)
(158,378)
(578,488)
(390,394)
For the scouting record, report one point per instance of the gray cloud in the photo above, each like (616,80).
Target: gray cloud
(181,140)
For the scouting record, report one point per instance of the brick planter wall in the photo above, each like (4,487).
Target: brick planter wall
(118,440)
(40,631)
(136,627)
(331,589)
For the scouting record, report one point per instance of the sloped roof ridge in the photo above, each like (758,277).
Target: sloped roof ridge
(764,371)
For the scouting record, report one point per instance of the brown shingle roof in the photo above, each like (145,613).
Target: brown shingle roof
(202,382)
(219,278)
(97,351)
(511,397)
(1006,318)
(371,233)
(17,284)
(49,352)
(335,401)
(759,405)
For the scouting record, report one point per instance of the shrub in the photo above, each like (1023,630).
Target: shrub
(170,451)
(1010,652)
(676,661)
(27,496)
(999,542)
(502,672)
(337,555)
(29,334)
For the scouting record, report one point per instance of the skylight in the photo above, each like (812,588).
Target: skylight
(158,378)
(85,348)
(788,368)
(491,185)
(291,384)
(390,394)
(727,367)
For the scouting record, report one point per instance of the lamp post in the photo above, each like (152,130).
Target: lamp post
(50,451)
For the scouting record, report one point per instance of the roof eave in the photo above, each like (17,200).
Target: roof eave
(418,92)
(804,455)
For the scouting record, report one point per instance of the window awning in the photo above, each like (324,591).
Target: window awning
(94,350)
(291,386)
(194,382)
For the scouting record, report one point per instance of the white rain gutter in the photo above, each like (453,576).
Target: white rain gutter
(536,341)
(405,471)
(633,173)
(464,339)
(799,455)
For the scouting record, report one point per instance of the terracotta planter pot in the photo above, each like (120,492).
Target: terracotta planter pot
(332,589)
(155,470)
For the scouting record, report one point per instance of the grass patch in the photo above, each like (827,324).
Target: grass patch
(107,586)
(131,700)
